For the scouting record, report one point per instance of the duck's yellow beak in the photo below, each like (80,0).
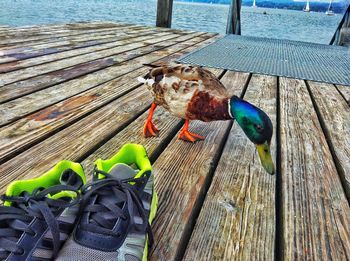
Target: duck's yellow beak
(265,157)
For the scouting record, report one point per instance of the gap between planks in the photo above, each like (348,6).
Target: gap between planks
(334,116)
(126,135)
(48,36)
(120,41)
(316,214)
(35,67)
(32,85)
(182,173)
(20,107)
(21,142)
(53,41)
(238,215)
(23,53)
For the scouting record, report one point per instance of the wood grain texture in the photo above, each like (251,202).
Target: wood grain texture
(89,110)
(55,77)
(56,41)
(316,214)
(13,40)
(52,37)
(345,91)
(31,68)
(14,35)
(238,215)
(78,139)
(167,124)
(51,57)
(15,109)
(335,114)
(63,113)
(78,37)
(86,42)
(46,28)
(181,173)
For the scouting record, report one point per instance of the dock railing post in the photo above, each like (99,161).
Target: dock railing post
(234,18)
(344,22)
(164,13)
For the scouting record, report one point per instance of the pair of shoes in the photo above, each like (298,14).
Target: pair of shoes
(59,216)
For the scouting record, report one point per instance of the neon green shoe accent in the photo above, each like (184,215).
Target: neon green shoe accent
(132,154)
(154,207)
(48,179)
(64,194)
(128,154)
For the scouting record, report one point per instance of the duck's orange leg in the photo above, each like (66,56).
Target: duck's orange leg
(189,136)
(149,129)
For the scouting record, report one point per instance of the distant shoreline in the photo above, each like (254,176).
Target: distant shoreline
(338,7)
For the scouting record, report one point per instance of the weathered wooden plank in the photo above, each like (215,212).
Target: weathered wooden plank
(9,40)
(345,91)
(167,124)
(46,29)
(54,40)
(31,32)
(78,139)
(316,214)
(238,215)
(17,54)
(335,114)
(182,172)
(74,37)
(122,46)
(15,109)
(50,79)
(120,41)
(24,132)
(53,27)
(81,37)
(24,87)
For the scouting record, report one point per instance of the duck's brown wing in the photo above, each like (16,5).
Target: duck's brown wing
(211,82)
(190,73)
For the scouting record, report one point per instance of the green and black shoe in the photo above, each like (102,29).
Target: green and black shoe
(118,207)
(39,214)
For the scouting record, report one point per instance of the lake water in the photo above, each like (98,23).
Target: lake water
(276,23)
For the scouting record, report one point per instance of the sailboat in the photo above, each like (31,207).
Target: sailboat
(254,4)
(330,11)
(307,7)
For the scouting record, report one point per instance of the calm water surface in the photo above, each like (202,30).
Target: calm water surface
(276,23)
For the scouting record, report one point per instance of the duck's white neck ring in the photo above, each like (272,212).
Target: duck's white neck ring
(229,108)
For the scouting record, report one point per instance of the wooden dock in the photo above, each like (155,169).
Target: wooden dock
(70,92)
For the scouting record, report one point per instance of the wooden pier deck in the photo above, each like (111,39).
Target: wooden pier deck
(70,92)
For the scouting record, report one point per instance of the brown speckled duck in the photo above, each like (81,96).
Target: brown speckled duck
(194,93)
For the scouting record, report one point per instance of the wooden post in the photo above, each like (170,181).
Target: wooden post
(164,13)
(234,18)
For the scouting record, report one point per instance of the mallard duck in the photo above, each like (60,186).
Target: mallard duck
(194,93)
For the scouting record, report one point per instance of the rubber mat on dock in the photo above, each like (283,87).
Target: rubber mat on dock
(301,60)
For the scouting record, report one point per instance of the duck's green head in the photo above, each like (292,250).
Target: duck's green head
(257,126)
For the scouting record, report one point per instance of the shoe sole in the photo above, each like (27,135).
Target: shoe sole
(154,206)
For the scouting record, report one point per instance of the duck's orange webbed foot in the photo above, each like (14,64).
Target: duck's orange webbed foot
(189,136)
(149,129)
